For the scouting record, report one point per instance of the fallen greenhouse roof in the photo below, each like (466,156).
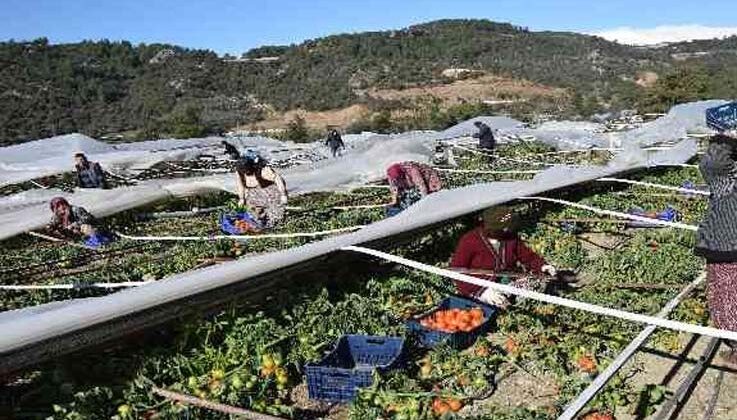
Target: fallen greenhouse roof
(35,334)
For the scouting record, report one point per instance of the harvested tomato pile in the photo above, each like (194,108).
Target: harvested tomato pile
(244,226)
(454,320)
(441,407)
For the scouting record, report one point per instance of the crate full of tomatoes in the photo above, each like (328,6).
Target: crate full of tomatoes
(240,223)
(455,321)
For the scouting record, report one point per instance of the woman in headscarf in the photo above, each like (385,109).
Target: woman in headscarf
(494,250)
(89,174)
(717,235)
(262,189)
(409,182)
(70,221)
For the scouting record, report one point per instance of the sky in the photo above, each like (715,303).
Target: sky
(229,26)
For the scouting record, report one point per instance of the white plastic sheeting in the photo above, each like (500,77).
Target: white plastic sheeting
(28,327)
(54,155)
(367,156)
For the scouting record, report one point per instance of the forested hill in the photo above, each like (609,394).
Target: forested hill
(106,87)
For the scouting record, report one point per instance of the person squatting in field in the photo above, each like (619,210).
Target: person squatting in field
(485,135)
(261,189)
(717,235)
(409,182)
(494,251)
(71,222)
(89,174)
(231,151)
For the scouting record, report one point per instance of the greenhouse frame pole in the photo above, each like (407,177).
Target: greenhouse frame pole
(589,393)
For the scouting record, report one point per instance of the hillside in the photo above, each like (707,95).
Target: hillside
(154,90)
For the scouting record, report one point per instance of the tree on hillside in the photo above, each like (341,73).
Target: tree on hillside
(186,123)
(685,84)
(297,130)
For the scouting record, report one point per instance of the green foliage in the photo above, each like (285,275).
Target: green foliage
(252,355)
(113,87)
(186,123)
(682,85)
(297,130)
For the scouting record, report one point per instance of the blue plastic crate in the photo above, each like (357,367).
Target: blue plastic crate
(668,215)
(458,340)
(351,365)
(227,223)
(722,118)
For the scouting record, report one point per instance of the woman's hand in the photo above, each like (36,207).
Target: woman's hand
(284,199)
(493,297)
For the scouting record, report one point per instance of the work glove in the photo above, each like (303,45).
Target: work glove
(549,270)
(492,297)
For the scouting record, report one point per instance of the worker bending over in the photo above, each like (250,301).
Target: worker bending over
(89,174)
(261,189)
(409,182)
(493,251)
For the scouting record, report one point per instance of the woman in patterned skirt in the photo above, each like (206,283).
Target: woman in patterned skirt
(262,189)
(717,235)
(409,182)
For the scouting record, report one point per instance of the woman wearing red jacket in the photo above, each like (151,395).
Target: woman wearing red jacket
(493,250)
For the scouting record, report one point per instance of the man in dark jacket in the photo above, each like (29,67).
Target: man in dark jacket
(231,151)
(89,174)
(487,142)
(335,143)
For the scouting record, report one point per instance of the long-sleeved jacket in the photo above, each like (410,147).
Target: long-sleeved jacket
(476,251)
(717,235)
(486,137)
(91,176)
(334,141)
(231,151)
(78,216)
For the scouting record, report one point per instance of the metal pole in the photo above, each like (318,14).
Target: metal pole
(588,394)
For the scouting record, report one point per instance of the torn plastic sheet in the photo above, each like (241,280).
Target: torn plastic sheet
(366,159)
(52,156)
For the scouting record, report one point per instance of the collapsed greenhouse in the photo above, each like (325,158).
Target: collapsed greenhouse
(175,309)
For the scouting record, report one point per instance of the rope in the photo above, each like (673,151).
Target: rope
(209,405)
(659,186)
(175,214)
(616,214)
(75,286)
(214,170)
(555,300)
(240,237)
(588,394)
(478,152)
(364,206)
(54,239)
(464,171)
(126,179)
(39,185)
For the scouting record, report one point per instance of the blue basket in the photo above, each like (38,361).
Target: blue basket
(97,240)
(668,215)
(227,223)
(351,365)
(459,340)
(722,118)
